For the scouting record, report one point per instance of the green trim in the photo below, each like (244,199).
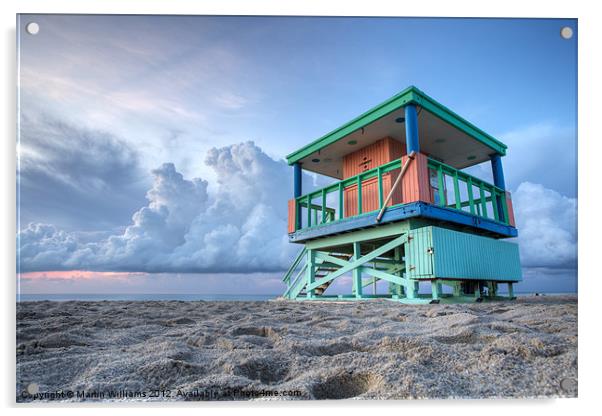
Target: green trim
(450,170)
(340,189)
(391,278)
(296,262)
(470,195)
(460,123)
(502,197)
(324,206)
(457,191)
(356,273)
(441,186)
(381,110)
(410,95)
(483,200)
(356,262)
(359,194)
(311,273)
(477,206)
(380,187)
(375,233)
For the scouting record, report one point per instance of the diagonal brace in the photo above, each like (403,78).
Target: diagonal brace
(350,265)
(386,276)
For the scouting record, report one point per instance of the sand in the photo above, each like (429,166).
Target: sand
(145,351)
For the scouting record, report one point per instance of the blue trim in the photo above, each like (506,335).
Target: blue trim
(498,171)
(498,179)
(412,141)
(403,212)
(298,189)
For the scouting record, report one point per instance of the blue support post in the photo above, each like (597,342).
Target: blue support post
(498,171)
(412,142)
(297,179)
(498,180)
(298,190)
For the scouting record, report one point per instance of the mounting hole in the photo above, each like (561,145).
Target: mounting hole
(569,385)
(32,28)
(33,388)
(566,32)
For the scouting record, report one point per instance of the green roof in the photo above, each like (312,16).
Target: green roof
(410,95)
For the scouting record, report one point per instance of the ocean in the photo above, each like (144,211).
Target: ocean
(140,296)
(176,296)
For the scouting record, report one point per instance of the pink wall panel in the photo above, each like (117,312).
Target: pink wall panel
(510,209)
(415,183)
(292,214)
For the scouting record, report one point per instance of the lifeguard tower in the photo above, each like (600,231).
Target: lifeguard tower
(402,209)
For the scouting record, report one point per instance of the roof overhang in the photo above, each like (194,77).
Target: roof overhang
(443,135)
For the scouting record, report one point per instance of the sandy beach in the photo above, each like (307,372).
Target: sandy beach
(284,350)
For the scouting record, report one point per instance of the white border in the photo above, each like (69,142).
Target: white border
(590,202)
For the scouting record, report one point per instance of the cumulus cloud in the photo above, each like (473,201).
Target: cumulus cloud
(238,224)
(547,224)
(183,227)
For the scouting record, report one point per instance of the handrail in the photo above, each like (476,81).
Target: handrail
(484,199)
(329,214)
(297,283)
(451,170)
(352,180)
(300,256)
(317,207)
(477,205)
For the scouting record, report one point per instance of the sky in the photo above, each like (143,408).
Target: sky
(151,148)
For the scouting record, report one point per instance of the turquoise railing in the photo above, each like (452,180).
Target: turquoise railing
(490,201)
(321,213)
(295,274)
(487,194)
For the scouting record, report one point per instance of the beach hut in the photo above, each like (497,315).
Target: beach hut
(403,210)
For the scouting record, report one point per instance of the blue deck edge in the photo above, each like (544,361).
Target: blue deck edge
(403,212)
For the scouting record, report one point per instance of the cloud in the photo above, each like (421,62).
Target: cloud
(75,177)
(240,227)
(547,224)
(142,80)
(238,223)
(545,153)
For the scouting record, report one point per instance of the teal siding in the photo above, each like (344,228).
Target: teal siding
(420,262)
(458,255)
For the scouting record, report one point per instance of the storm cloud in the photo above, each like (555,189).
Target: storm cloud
(240,226)
(76,178)
(184,228)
